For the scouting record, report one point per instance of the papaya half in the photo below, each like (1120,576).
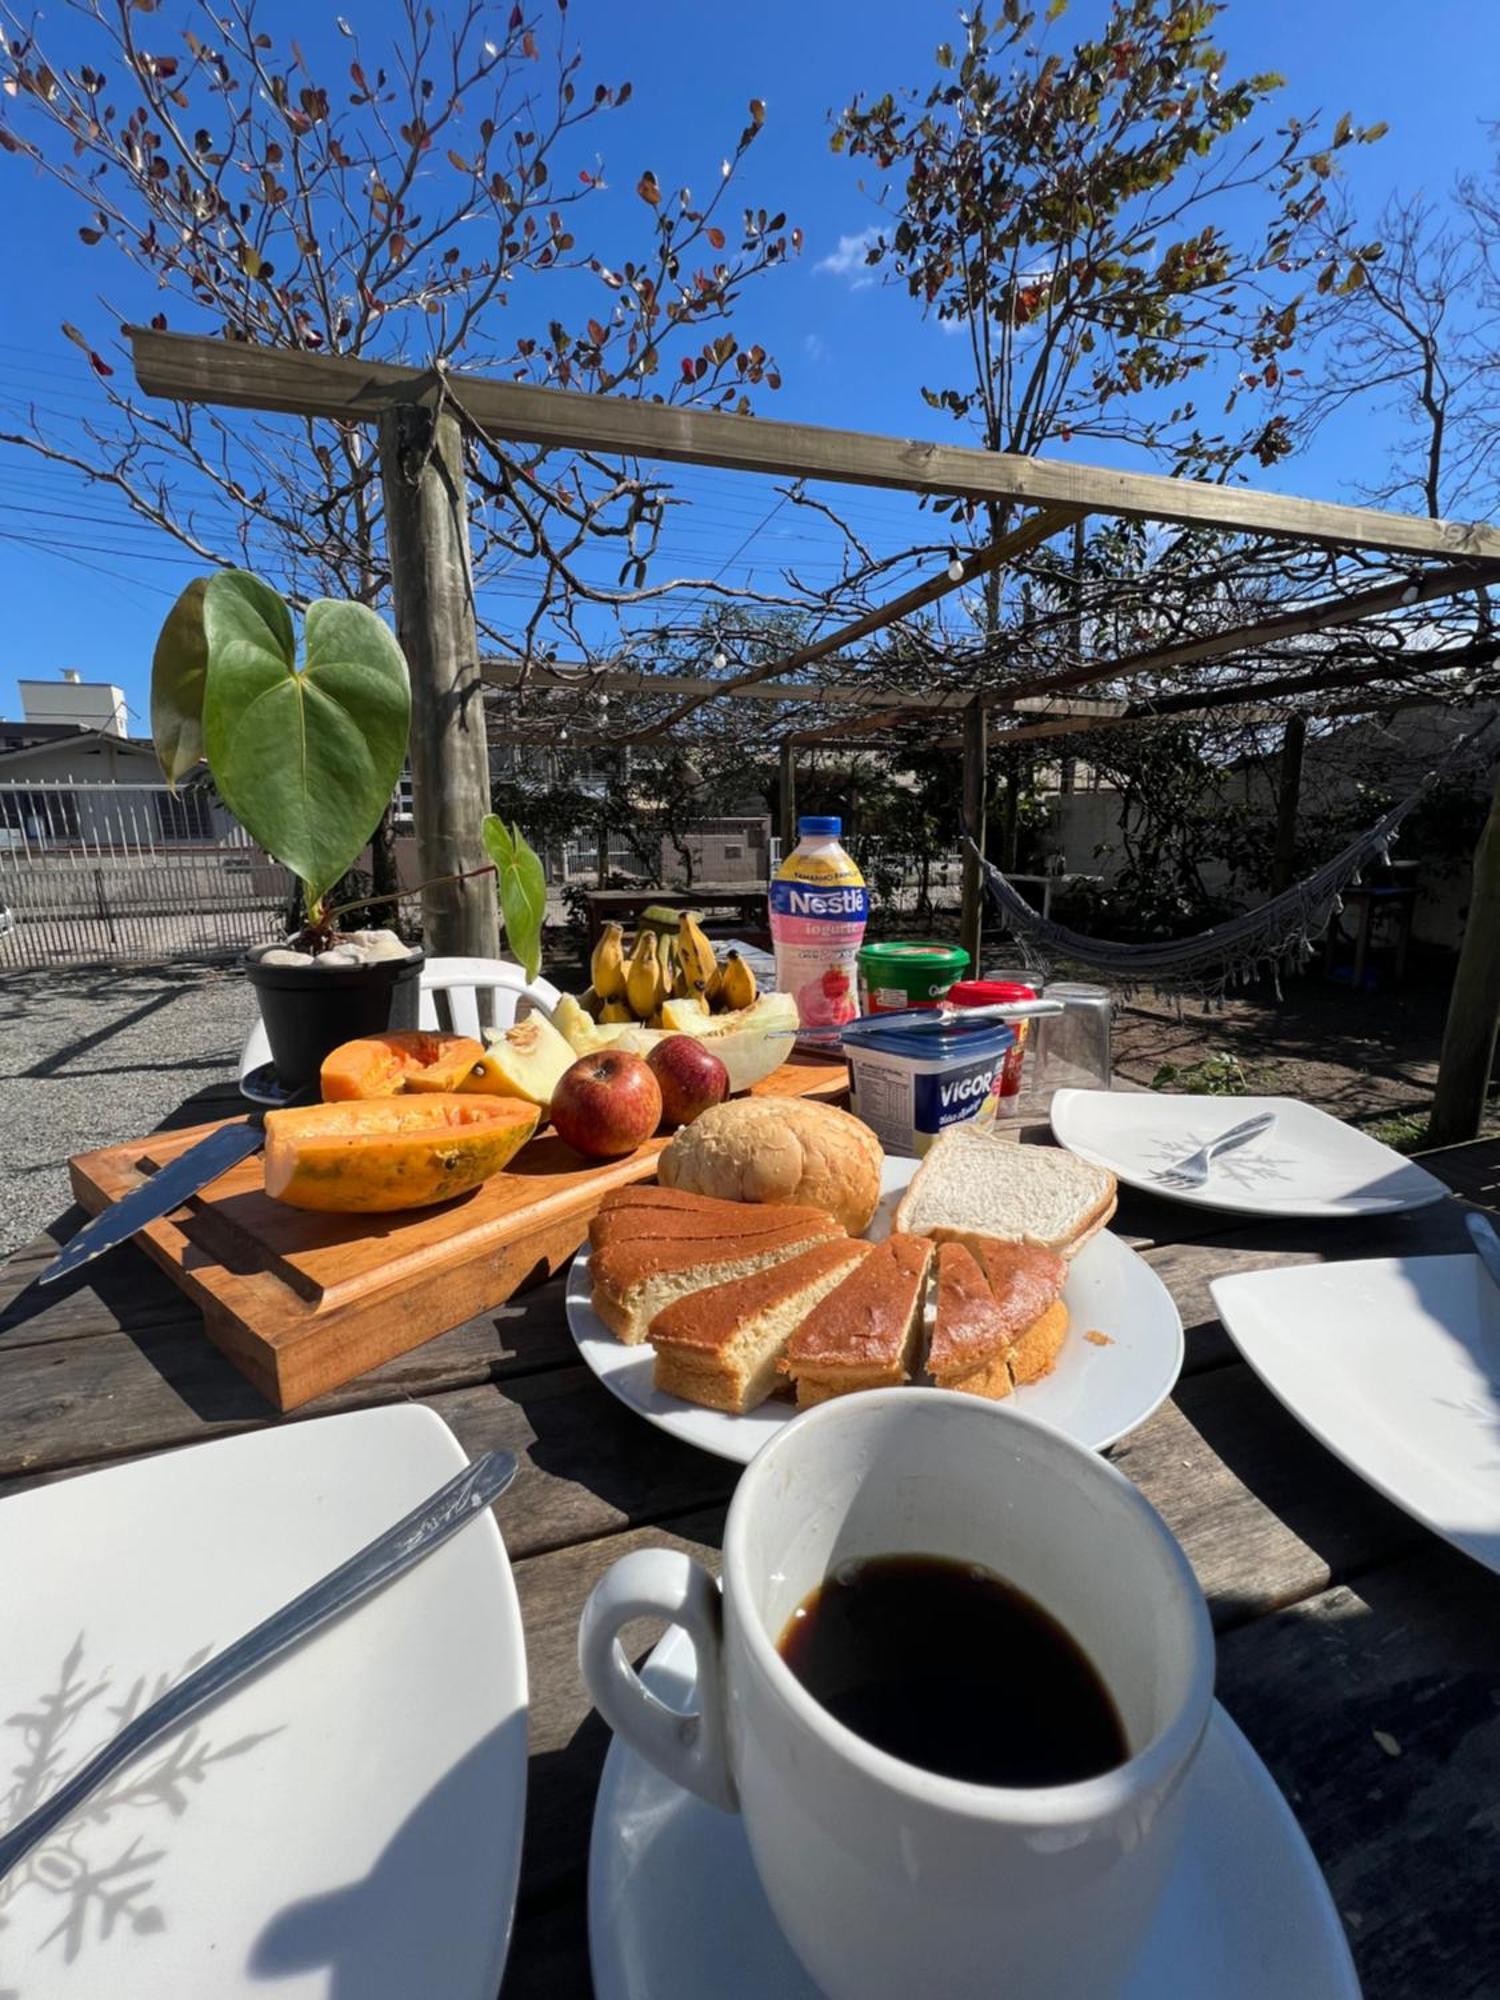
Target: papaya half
(369,1158)
(404,1059)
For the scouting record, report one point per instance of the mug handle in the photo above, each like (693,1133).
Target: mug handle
(661,1583)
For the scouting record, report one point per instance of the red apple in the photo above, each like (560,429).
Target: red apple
(606,1104)
(690,1075)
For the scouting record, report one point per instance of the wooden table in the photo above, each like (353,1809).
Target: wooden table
(1393,905)
(624,906)
(1359,1653)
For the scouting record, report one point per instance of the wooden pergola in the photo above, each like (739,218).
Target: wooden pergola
(420,414)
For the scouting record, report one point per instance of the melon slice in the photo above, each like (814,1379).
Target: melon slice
(369,1158)
(750,1043)
(525,1061)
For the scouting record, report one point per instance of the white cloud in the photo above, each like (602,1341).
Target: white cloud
(815,347)
(848,260)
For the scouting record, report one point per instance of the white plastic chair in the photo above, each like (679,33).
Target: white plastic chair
(460,980)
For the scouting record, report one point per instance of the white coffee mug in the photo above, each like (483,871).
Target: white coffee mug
(888,1879)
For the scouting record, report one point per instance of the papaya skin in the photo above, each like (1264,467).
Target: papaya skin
(379,1156)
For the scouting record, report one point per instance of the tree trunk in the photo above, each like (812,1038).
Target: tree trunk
(1289,786)
(1474,1009)
(1010,815)
(971,918)
(427,534)
(786,802)
(385,877)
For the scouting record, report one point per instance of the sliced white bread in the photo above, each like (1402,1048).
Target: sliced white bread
(977,1182)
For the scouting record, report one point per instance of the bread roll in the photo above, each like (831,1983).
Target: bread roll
(780,1150)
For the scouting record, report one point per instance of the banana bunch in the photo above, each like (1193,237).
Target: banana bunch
(661,967)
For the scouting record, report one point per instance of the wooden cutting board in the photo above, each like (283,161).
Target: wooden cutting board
(303,1303)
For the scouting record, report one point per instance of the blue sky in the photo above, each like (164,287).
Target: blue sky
(85,587)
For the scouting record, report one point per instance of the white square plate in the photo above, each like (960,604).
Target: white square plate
(1394,1364)
(349,1822)
(1307,1164)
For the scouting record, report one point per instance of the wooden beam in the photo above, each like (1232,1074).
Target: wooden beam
(1069,714)
(1468,1053)
(1321,617)
(611,681)
(427,534)
(971,912)
(188,368)
(1323,680)
(1288,790)
(981,562)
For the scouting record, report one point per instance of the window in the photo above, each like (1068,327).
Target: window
(184,815)
(39,815)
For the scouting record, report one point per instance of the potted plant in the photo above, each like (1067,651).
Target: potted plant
(305,758)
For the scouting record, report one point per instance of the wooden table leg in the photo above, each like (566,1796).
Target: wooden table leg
(1362,942)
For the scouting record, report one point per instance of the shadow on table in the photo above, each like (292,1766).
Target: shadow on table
(582,1436)
(1330,1509)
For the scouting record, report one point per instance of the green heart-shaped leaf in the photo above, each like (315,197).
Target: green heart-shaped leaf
(305,761)
(521,882)
(178,668)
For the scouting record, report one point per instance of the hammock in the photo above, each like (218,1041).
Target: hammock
(1264,939)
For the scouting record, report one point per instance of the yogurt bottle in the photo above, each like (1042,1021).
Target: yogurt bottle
(818,911)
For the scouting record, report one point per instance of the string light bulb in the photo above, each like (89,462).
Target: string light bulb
(721,659)
(955,567)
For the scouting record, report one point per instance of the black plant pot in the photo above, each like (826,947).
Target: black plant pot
(308,1011)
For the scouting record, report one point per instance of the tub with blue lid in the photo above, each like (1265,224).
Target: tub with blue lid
(912,1075)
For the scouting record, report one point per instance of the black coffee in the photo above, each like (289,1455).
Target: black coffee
(956,1670)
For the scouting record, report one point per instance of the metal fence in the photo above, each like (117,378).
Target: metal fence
(94,872)
(721,851)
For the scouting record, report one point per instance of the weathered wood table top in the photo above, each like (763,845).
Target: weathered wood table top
(1359,1653)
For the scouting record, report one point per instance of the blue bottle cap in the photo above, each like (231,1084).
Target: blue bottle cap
(830,824)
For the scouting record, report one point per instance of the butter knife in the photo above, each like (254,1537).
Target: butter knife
(413,1538)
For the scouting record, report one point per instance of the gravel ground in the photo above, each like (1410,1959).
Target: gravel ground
(91,1057)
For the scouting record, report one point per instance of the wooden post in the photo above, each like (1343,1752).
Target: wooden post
(427,539)
(1468,1055)
(787,797)
(1289,786)
(971,919)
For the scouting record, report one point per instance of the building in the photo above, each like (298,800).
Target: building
(71,774)
(71,701)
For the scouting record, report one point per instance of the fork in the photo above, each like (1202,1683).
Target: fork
(1193,1171)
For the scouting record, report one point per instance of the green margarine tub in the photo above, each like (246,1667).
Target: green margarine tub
(897,975)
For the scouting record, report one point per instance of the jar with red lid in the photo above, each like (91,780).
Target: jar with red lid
(994,993)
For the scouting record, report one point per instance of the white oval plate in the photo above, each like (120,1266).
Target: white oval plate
(1394,1364)
(676,1910)
(1307,1164)
(347,1822)
(1095,1394)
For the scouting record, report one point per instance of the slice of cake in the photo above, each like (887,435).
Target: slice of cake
(740,1220)
(970,1334)
(720,1347)
(633,1282)
(1000,1319)
(866,1333)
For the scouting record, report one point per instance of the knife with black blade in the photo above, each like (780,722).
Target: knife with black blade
(165,1191)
